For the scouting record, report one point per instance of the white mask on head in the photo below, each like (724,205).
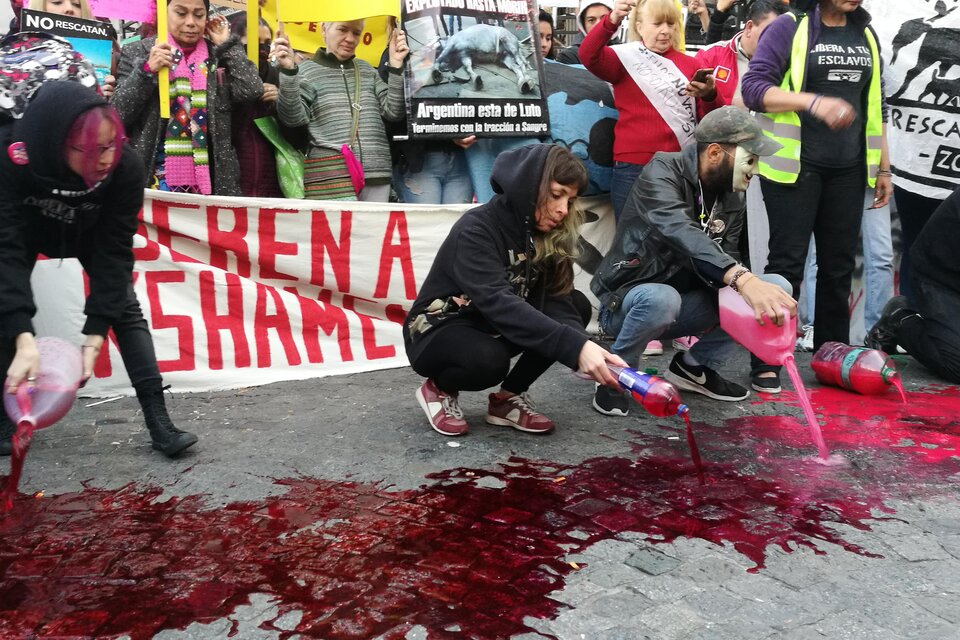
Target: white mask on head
(745,166)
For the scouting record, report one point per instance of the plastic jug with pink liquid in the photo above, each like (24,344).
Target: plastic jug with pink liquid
(61,367)
(770,343)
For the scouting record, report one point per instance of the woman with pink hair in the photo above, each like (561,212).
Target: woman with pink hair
(71,187)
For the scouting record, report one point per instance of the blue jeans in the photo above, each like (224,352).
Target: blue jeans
(624,175)
(444,179)
(654,311)
(877,265)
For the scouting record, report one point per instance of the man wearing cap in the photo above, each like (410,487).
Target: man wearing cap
(590,14)
(676,246)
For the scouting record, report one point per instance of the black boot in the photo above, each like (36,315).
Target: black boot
(7,429)
(166,437)
(883,335)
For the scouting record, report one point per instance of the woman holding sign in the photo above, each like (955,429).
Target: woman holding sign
(343,102)
(656,87)
(191,151)
(70,187)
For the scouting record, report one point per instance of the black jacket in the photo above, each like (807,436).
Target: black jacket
(46,208)
(482,274)
(659,232)
(934,254)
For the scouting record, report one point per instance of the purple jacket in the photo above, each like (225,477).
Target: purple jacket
(771,61)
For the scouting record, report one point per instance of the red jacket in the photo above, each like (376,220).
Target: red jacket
(640,132)
(722,58)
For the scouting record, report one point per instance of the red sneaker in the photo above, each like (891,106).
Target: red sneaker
(442,409)
(517,412)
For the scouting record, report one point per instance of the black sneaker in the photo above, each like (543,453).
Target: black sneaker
(766,385)
(703,380)
(883,335)
(611,402)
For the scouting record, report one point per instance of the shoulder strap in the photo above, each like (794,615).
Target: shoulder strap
(355,105)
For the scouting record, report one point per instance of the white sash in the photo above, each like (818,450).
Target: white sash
(662,83)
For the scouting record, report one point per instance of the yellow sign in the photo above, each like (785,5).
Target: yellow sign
(308,36)
(335,10)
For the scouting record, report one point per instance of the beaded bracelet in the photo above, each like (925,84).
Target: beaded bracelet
(737,276)
(884,172)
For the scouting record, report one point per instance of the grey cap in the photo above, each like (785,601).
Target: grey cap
(733,125)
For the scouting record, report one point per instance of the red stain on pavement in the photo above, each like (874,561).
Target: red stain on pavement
(460,559)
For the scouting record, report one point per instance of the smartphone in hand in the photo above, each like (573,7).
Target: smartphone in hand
(701,75)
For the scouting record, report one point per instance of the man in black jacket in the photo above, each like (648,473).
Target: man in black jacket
(675,246)
(925,324)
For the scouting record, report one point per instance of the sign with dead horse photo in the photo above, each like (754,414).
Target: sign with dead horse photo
(474,69)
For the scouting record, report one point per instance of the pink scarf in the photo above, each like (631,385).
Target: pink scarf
(186,162)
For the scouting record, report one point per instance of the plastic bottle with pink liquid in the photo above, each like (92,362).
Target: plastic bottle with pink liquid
(55,388)
(774,345)
(656,395)
(769,342)
(866,371)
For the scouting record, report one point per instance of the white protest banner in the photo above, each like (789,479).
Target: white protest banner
(242,292)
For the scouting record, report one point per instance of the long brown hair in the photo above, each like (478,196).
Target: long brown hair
(556,250)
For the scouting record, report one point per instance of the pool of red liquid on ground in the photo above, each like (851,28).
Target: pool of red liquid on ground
(361,561)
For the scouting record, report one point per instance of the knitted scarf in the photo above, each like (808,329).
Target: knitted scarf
(186,162)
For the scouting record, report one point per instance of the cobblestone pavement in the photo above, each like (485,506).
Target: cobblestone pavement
(327,508)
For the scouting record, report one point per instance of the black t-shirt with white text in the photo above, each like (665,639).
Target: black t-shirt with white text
(839,66)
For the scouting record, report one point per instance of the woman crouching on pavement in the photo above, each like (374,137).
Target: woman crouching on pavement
(502,285)
(70,187)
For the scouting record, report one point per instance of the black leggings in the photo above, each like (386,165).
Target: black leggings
(134,343)
(934,337)
(914,210)
(462,357)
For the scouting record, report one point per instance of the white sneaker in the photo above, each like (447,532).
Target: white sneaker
(805,342)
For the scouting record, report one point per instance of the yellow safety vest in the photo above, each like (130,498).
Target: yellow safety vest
(784,165)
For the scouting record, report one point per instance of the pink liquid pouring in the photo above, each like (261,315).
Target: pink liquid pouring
(791,366)
(899,387)
(774,345)
(53,395)
(694,449)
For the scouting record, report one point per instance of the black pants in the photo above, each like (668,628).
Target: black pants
(828,203)
(934,339)
(134,343)
(913,210)
(463,357)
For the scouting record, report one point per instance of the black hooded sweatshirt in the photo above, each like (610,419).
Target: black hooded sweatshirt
(47,208)
(482,275)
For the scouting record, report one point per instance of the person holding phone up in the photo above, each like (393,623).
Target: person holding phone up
(655,91)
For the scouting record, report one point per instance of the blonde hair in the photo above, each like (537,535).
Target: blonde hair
(559,248)
(658,11)
(41,5)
